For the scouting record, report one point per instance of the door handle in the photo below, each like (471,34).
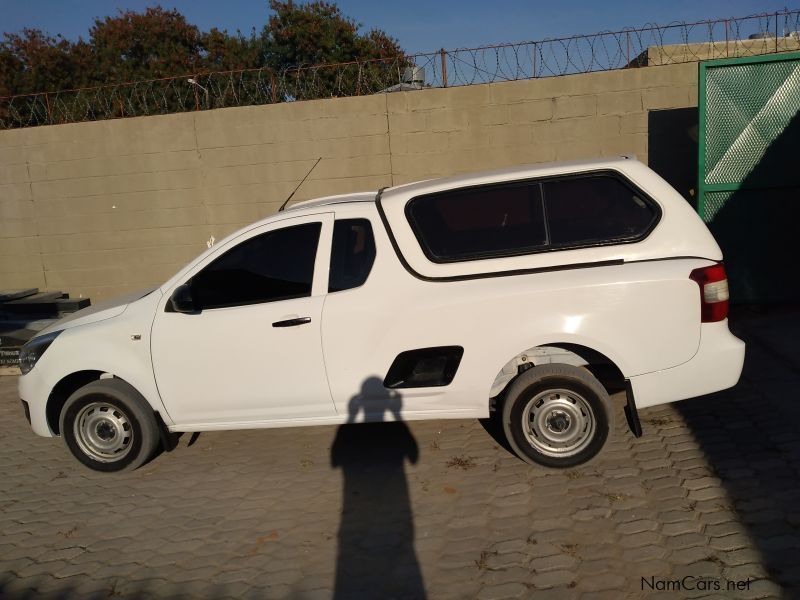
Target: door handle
(292,322)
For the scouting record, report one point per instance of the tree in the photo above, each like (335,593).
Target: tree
(298,36)
(136,46)
(225,52)
(32,61)
(226,57)
(282,63)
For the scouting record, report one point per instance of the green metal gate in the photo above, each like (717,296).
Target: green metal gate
(749,171)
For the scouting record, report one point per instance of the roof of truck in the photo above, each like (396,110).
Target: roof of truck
(338,199)
(465,179)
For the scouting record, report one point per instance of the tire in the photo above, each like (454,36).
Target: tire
(109,426)
(557,416)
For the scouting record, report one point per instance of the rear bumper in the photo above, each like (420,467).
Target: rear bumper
(716,366)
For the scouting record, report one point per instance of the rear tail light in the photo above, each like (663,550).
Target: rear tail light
(714,296)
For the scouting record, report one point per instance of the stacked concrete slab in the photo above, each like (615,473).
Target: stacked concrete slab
(25,312)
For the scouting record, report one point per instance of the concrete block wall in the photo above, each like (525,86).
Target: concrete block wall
(98,209)
(453,130)
(679,53)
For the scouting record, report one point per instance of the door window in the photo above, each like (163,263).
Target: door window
(277,265)
(352,254)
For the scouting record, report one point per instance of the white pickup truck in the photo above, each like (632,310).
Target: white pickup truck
(532,292)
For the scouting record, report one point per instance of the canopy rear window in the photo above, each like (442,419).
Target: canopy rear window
(516,218)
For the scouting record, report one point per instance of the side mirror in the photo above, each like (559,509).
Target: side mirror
(181,300)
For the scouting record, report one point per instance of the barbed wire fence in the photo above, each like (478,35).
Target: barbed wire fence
(628,48)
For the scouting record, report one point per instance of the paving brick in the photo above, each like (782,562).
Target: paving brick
(209,520)
(744,572)
(727,543)
(719,517)
(554,563)
(592,514)
(638,540)
(675,516)
(593,551)
(741,556)
(760,589)
(505,590)
(510,546)
(699,570)
(649,568)
(505,562)
(725,528)
(600,582)
(594,566)
(32,570)
(701,483)
(680,527)
(637,526)
(14,566)
(623,472)
(709,493)
(601,595)
(687,556)
(644,553)
(552,579)
(548,524)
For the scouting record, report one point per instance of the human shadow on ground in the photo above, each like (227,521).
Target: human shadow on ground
(376,556)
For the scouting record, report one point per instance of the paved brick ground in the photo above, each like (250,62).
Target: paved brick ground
(434,509)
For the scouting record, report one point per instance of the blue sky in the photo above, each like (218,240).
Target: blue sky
(419,25)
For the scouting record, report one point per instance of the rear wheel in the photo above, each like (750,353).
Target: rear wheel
(108,426)
(557,415)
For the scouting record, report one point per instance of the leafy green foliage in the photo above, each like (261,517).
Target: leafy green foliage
(153,44)
(160,43)
(225,52)
(33,61)
(299,36)
(318,33)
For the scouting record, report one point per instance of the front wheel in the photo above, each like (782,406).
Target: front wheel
(557,415)
(108,426)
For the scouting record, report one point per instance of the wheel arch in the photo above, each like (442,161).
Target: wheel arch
(604,368)
(62,390)
(67,386)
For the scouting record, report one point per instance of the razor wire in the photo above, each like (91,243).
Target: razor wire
(650,45)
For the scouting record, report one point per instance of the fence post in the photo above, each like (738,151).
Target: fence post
(776,31)
(443,54)
(727,52)
(628,38)
(49,110)
(196,95)
(272,87)
(533,75)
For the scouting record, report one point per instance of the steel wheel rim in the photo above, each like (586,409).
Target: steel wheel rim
(558,422)
(103,432)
